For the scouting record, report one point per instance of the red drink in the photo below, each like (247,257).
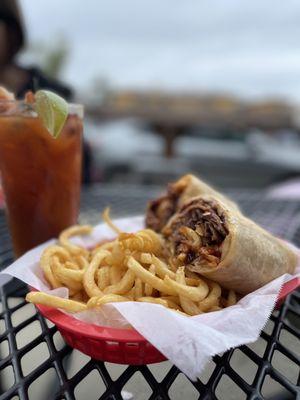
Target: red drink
(40,175)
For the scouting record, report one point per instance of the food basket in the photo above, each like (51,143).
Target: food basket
(115,345)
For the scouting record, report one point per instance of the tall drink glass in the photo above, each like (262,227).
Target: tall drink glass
(40,175)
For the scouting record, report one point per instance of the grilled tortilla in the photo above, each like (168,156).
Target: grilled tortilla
(218,242)
(160,210)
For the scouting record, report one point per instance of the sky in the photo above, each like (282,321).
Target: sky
(248,48)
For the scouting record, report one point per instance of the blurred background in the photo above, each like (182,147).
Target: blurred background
(210,86)
(169,87)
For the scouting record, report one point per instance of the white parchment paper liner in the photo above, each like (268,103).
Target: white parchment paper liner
(188,342)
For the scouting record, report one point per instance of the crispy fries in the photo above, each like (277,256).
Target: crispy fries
(149,288)
(133,267)
(147,277)
(103,278)
(138,288)
(54,301)
(89,283)
(107,298)
(74,231)
(108,221)
(143,241)
(212,299)
(232,299)
(187,305)
(155,300)
(192,293)
(47,261)
(123,286)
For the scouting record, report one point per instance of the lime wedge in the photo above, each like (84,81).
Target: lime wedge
(52,110)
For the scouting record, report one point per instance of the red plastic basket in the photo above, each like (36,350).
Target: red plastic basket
(122,346)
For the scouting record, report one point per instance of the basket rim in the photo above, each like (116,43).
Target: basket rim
(72,325)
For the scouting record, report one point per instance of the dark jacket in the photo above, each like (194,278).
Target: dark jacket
(10,13)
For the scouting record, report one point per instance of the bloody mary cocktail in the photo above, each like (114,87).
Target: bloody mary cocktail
(40,175)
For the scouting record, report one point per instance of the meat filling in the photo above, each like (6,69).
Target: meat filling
(197,234)
(159,211)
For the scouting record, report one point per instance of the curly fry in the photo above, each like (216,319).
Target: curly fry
(58,302)
(143,241)
(155,300)
(47,260)
(147,277)
(232,298)
(65,274)
(108,221)
(149,288)
(123,286)
(74,231)
(212,300)
(138,288)
(193,293)
(107,298)
(103,277)
(89,283)
(187,305)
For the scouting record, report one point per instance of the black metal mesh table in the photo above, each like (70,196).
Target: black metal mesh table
(35,363)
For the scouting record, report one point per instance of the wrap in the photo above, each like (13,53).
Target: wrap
(218,242)
(160,210)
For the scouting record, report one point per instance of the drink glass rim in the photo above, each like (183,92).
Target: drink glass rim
(13,107)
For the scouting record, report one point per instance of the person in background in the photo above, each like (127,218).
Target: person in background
(19,79)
